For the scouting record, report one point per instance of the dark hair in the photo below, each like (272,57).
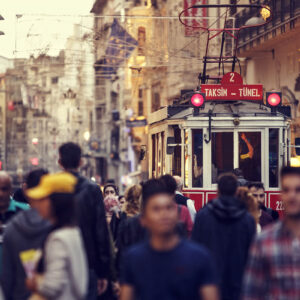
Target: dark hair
(164,185)
(120,197)
(286,171)
(133,199)
(33,178)
(63,209)
(257,185)
(113,186)
(227,184)
(70,155)
(238,172)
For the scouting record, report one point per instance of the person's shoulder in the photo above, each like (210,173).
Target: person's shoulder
(266,215)
(20,205)
(84,182)
(204,211)
(192,249)
(65,233)
(136,250)
(270,233)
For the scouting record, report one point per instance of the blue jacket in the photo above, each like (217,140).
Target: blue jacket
(226,228)
(27,230)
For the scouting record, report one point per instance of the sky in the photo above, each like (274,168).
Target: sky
(34,29)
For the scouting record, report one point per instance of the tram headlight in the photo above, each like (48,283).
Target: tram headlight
(273,99)
(198,101)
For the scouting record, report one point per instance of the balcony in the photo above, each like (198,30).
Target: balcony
(285,14)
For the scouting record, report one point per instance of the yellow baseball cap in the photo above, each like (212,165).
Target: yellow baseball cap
(53,183)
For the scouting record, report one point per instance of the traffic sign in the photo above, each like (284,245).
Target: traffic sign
(232,88)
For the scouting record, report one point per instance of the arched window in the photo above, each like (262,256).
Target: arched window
(141,41)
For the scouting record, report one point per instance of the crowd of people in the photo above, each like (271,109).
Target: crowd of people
(65,239)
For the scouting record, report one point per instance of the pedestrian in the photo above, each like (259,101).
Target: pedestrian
(117,217)
(91,220)
(257,189)
(122,202)
(249,201)
(165,266)
(8,206)
(131,208)
(63,272)
(110,189)
(273,270)
(133,200)
(26,231)
(226,228)
(112,205)
(182,200)
(240,177)
(132,232)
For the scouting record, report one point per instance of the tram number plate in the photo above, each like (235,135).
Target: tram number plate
(253,92)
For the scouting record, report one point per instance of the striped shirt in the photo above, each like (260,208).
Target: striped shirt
(273,271)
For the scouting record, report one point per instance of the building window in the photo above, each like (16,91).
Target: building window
(141,41)
(44,81)
(233,9)
(54,80)
(141,107)
(155,97)
(140,103)
(100,111)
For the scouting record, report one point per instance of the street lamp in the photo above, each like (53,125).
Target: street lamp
(87,135)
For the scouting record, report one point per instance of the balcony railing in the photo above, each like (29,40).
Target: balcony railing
(285,13)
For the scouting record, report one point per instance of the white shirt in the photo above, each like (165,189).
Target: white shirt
(191,207)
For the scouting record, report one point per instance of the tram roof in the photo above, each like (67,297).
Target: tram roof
(217,109)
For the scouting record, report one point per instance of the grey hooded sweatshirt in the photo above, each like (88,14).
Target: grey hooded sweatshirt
(26,231)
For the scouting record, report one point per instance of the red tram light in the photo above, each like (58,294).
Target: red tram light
(274,99)
(198,99)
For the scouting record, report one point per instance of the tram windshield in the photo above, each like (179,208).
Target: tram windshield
(222,154)
(273,157)
(250,155)
(197,158)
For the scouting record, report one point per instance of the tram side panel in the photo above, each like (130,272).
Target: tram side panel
(201,198)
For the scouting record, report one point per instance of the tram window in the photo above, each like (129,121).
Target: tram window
(222,154)
(186,159)
(163,153)
(250,155)
(177,153)
(153,156)
(273,157)
(197,158)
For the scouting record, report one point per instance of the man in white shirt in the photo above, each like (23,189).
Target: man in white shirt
(181,199)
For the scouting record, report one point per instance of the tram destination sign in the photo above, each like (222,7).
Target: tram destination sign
(232,88)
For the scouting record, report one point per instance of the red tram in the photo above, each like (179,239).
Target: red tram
(222,137)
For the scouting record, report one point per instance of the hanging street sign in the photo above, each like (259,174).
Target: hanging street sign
(232,88)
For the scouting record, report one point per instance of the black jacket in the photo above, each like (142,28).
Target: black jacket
(226,229)
(115,224)
(92,222)
(27,230)
(273,213)
(180,199)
